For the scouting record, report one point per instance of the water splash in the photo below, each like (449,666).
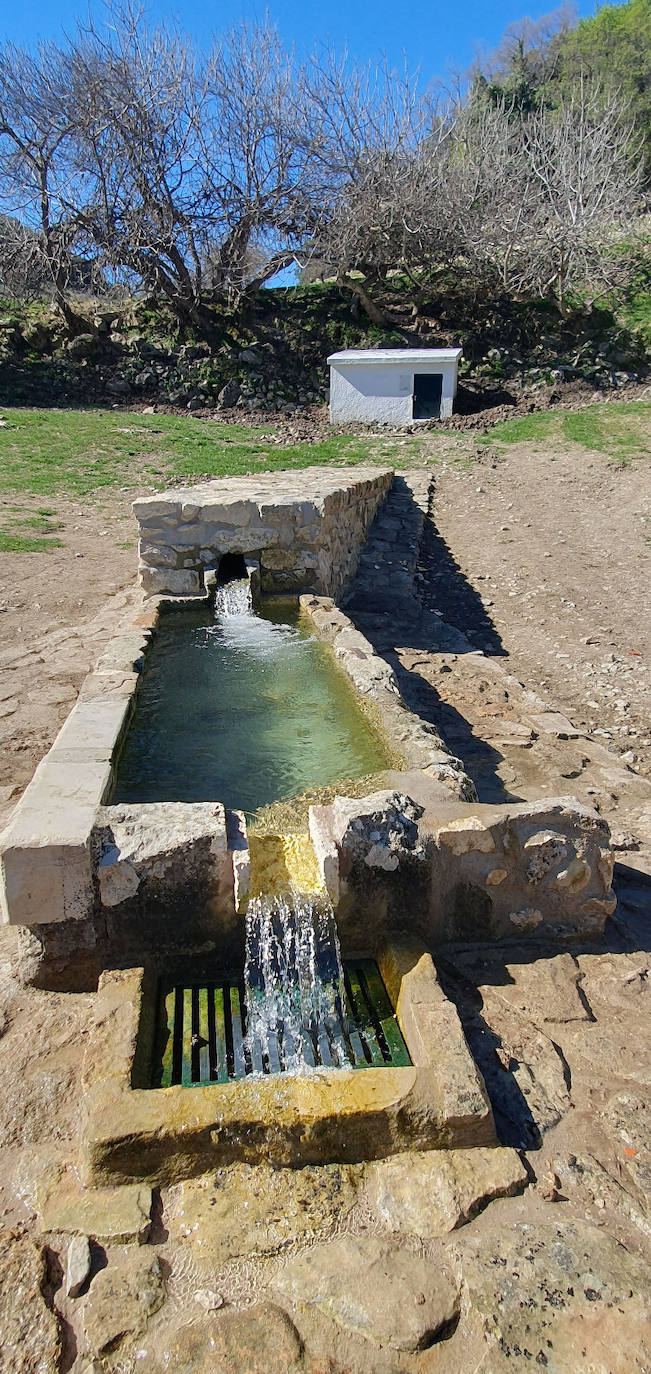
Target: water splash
(234,598)
(294,985)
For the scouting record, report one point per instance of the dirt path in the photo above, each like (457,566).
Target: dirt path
(553,566)
(57,609)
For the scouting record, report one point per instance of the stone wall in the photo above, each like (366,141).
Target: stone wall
(305,528)
(463,873)
(415,741)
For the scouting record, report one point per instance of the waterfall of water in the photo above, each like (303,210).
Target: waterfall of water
(234,598)
(294,985)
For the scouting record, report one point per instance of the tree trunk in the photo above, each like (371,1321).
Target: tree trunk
(375,312)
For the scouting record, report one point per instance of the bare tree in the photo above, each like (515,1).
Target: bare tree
(39,176)
(585,159)
(257,141)
(23,272)
(139,100)
(377,140)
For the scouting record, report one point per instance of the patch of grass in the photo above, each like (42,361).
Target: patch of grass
(25,533)
(620,429)
(524,429)
(78,452)
(27,543)
(41,523)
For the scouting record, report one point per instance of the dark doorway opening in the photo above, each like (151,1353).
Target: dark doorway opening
(232,568)
(428,387)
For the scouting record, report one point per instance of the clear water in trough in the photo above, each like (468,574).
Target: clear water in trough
(244,709)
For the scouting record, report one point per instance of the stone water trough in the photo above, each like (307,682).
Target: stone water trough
(132,894)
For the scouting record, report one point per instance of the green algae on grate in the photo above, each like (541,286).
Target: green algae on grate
(201,1036)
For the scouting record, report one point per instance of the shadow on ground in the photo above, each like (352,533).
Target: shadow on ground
(411,593)
(445,590)
(471,400)
(464,970)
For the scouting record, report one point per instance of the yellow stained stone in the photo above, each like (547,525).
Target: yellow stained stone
(280,863)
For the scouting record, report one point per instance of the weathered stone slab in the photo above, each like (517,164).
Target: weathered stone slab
(561,1296)
(583,1176)
(45,851)
(122,1298)
(93,727)
(258,1340)
(375,1290)
(553,723)
(430,1193)
(546,990)
(45,864)
(108,683)
(249,1210)
(111,1215)
(29,1331)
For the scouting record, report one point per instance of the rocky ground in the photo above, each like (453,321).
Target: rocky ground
(531,1255)
(268,356)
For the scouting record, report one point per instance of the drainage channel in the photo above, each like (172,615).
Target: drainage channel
(202,1032)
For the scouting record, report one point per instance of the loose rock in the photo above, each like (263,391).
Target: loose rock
(433,1192)
(374,1290)
(78,1265)
(121,1299)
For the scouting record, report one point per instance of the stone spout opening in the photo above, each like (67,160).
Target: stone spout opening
(232,568)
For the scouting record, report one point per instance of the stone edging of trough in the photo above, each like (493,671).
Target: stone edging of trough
(46,867)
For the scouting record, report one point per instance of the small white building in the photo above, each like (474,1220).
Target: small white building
(392,386)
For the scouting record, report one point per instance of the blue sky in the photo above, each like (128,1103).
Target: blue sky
(438,38)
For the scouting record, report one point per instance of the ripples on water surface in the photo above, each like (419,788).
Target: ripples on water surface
(242,709)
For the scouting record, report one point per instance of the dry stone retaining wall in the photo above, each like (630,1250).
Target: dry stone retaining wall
(305,528)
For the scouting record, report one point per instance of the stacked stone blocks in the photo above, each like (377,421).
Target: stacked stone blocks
(305,529)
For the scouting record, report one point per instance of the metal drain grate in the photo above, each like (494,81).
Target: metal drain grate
(202,1030)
